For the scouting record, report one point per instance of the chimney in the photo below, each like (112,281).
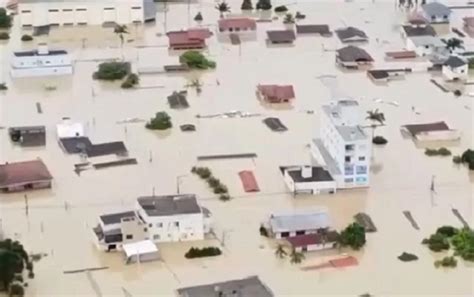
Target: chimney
(306,171)
(42,49)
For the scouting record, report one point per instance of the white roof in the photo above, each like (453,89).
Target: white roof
(139,248)
(427,40)
(68,129)
(301,220)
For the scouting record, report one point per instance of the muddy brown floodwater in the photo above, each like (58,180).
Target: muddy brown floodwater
(60,220)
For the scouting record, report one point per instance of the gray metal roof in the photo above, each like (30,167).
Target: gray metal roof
(427,40)
(351,133)
(247,287)
(419,31)
(115,218)
(299,221)
(454,62)
(169,205)
(351,32)
(318,174)
(436,9)
(329,161)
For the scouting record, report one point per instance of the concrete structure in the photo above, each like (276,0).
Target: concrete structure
(308,180)
(436,13)
(455,68)
(140,251)
(343,147)
(425,45)
(276,93)
(84,12)
(247,287)
(352,57)
(41,62)
(435,131)
(28,136)
(283,225)
(26,175)
(314,242)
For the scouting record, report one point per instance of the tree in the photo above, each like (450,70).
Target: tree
(353,236)
(437,242)
(198,17)
(289,19)
(16,290)
(377,118)
(112,70)
(454,43)
(246,5)
(13,259)
(161,121)
(223,7)
(196,60)
(120,30)
(264,5)
(280,251)
(296,257)
(5,19)
(463,243)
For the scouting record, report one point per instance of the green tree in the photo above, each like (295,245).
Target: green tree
(264,4)
(223,7)
(353,236)
(196,60)
(296,257)
(16,290)
(198,17)
(121,30)
(437,242)
(161,121)
(13,259)
(112,70)
(280,251)
(5,19)
(463,243)
(246,5)
(454,43)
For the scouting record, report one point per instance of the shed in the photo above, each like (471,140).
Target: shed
(276,93)
(322,30)
(248,181)
(26,175)
(281,36)
(140,251)
(28,136)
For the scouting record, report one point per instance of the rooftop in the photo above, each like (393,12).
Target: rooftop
(115,218)
(419,31)
(169,205)
(281,35)
(351,133)
(436,9)
(233,23)
(415,129)
(299,220)
(351,33)
(20,173)
(329,161)
(313,29)
(455,61)
(353,54)
(36,53)
(247,287)
(318,174)
(310,239)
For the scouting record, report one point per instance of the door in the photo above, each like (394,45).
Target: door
(54,17)
(109,15)
(81,16)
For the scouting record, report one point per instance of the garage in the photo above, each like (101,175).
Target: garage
(26,18)
(109,15)
(81,16)
(136,14)
(54,17)
(68,17)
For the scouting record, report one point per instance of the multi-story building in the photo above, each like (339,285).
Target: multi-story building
(343,146)
(157,218)
(37,13)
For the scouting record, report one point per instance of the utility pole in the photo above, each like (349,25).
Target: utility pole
(26,205)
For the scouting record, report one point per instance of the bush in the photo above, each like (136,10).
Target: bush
(438,152)
(457,159)
(112,70)
(281,8)
(5,19)
(196,60)
(131,80)
(263,231)
(246,5)
(213,182)
(16,290)
(457,93)
(379,140)
(220,189)
(463,243)
(204,252)
(353,236)
(224,197)
(203,172)
(26,37)
(4,36)
(31,274)
(198,17)
(468,156)
(446,262)
(447,231)
(299,16)
(264,5)
(161,121)
(3,87)
(437,242)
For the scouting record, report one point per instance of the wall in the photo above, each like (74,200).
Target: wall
(44,71)
(41,61)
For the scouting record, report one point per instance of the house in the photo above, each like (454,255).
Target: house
(140,251)
(343,147)
(188,39)
(385,75)
(468,25)
(314,242)
(276,93)
(425,45)
(436,13)
(246,287)
(435,131)
(410,31)
(281,36)
(322,30)
(351,34)
(455,68)
(40,62)
(38,13)
(283,225)
(306,179)
(243,28)
(28,136)
(26,175)
(399,55)
(416,19)
(352,57)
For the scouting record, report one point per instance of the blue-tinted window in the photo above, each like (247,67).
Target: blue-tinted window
(361,180)
(348,169)
(361,169)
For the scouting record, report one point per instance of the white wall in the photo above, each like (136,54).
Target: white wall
(455,73)
(41,71)
(41,61)
(315,187)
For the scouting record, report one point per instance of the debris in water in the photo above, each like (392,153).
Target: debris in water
(407,257)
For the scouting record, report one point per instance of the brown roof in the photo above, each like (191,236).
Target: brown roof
(313,29)
(428,127)
(276,92)
(23,173)
(468,21)
(417,19)
(248,181)
(241,23)
(309,239)
(401,54)
(281,35)
(191,36)
(353,54)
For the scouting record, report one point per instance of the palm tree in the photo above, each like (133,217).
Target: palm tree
(454,43)
(376,117)
(196,84)
(289,19)
(223,7)
(120,30)
(280,251)
(296,257)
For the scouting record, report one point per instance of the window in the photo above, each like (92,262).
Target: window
(136,7)
(81,9)
(362,158)
(361,169)
(445,17)
(145,229)
(109,8)
(25,11)
(66,10)
(156,237)
(348,180)
(347,159)
(159,225)
(350,147)
(361,180)
(129,236)
(53,10)
(348,169)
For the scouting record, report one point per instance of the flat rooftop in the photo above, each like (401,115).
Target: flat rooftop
(318,174)
(169,205)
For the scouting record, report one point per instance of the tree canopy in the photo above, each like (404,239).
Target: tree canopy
(353,236)
(5,19)
(161,121)
(13,260)
(246,5)
(196,60)
(264,4)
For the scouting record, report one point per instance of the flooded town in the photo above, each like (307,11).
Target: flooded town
(236,148)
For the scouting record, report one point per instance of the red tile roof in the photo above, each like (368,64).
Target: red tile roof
(310,239)
(248,181)
(189,37)
(23,173)
(401,55)
(241,23)
(276,93)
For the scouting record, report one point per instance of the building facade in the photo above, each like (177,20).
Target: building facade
(306,179)
(455,68)
(344,147)
(34,13)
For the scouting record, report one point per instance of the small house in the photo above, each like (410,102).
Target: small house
(281,36)
(284,225)
(352,57)
(351,34)
(140,251)
(276,93)
(410,31)
(435,131)
(314,242)
(436,13)
(306,179)
(41,62)
(425,45)
(455,68)
(385,75)
(26,175)
(28,136)
(241,28)
(321,30)
(188,39)
(246,287)
(468,25)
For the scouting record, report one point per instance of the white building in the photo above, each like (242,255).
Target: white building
(41,62)
(283,225)
(343,147)
(425,45)
(69,129)
(308,180)
(455,68)
(240,27)
(84,12)
(314,242)
(140,251)
(436,13)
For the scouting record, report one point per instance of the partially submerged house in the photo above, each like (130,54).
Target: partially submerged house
(237,28)
(281,36)
(435,131)
(385,75)
(314,242)
(308,179)
(410,31)
(177,100)
(276,93)
(417,19)
(28,136)
(321,30)
(351,34)
(246,287)
(283,225)
(352,57)
(140,251)
(436,13)
(26,175)
(455,68)
(188,39)
(425,45)
(400,55)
